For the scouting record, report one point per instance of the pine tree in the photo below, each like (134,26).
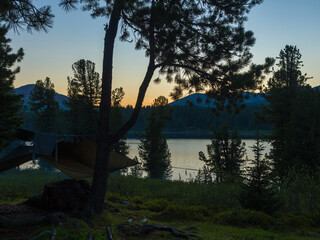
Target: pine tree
(10,119)
(225,155)
(84,93)
(282,93)
(258,193)
(18,14)
(43,104)
(117,120)
(153,149)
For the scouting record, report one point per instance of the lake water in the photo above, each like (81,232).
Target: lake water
(185,154)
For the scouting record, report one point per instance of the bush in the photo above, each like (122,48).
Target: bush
(291,221)
(186,212)
(300,192)
(157,205)
(244,218)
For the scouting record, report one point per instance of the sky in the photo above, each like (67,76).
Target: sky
(75,35)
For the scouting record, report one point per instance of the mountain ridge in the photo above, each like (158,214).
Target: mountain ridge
(25,90)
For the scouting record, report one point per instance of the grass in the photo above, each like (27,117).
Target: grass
(210,211)
(16,185)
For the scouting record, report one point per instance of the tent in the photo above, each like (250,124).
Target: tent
(75,158)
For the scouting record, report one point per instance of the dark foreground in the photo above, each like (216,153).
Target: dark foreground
(133,205)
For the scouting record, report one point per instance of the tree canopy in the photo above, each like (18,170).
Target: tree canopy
(225,155)
(10,102)
(84,90)
(19,14)
(292,111)
(43,104)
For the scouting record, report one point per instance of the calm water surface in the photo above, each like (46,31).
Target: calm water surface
(185,154)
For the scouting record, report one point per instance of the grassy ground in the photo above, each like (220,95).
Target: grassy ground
(210,212)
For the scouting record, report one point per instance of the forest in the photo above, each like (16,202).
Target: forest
(65,170)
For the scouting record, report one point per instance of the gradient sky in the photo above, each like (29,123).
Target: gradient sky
(75,35)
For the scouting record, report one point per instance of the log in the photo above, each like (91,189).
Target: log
(137,230)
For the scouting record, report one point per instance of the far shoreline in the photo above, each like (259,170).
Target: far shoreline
(245,134)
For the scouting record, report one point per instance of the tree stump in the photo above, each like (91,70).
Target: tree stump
(68,196)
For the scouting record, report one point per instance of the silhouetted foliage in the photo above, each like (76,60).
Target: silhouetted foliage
(225,155)
(258,193)
(116,120)
(292,112)
(10,103)
(84,91)
(18,14)
(153,149)
(44,105)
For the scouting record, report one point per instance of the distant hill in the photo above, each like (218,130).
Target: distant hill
(201,100)
(26,90)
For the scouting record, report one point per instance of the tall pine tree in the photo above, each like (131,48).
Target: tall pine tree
(258,193)
(10,103)
(283,111)
(83,96)
(116,120)
(43,104)
(153,149)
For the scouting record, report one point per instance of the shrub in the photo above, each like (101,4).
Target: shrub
(291,221)
(300,192)
(157,205)
(186,212)
(244,217)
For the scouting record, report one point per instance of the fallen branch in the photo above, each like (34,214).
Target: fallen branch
(152,227)
(54,233)
(109,234)
(137,230)
(40,234)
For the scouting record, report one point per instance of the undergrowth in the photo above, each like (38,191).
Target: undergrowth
(205,207)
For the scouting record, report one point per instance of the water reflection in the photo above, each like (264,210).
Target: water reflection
(185,154)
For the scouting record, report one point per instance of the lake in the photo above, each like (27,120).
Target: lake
(185,154)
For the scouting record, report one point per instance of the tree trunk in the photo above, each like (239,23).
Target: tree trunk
(100,177)
(105,139)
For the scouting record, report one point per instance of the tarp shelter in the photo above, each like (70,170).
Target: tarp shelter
(74,156)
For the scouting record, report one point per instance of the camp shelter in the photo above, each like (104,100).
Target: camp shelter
(73,156)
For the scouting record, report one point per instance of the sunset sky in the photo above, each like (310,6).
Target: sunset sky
(75,35)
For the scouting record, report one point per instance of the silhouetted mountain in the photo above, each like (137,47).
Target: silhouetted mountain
(201,100)
(26,90)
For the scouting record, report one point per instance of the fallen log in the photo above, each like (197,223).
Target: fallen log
(137,230)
